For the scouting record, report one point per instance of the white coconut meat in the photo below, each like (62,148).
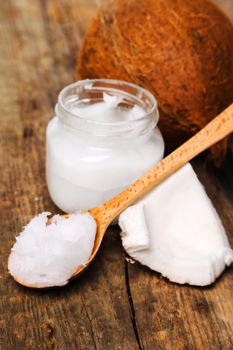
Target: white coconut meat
(48,255)
(188,243)
(135,234)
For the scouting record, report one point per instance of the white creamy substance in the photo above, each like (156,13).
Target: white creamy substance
(181,234)
(83,171)
(48,255)
(108,110)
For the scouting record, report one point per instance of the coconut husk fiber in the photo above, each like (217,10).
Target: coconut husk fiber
(181,51)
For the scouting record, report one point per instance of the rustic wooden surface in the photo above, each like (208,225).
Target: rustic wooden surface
(114,305)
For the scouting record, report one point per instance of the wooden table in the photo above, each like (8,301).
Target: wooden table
(114,305)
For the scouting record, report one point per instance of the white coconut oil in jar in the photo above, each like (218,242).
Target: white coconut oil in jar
(102,138)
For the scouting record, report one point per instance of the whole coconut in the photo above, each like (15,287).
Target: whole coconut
(180,50)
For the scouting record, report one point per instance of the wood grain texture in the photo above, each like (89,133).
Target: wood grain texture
(114,305)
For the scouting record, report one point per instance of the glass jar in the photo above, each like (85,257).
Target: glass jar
(89,160)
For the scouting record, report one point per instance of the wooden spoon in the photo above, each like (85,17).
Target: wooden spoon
(216,130)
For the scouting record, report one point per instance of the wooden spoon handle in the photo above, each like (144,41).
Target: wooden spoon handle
(216,130)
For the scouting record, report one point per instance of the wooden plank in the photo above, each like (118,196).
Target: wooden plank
(114,305)
(37,53)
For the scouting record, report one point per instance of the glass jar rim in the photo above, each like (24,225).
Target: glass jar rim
(149,119)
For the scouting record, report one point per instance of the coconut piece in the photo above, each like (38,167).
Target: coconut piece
(181,52)
(47,255)
(135,234)
(188,243)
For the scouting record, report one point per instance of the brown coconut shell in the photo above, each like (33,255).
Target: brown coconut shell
(182,51)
